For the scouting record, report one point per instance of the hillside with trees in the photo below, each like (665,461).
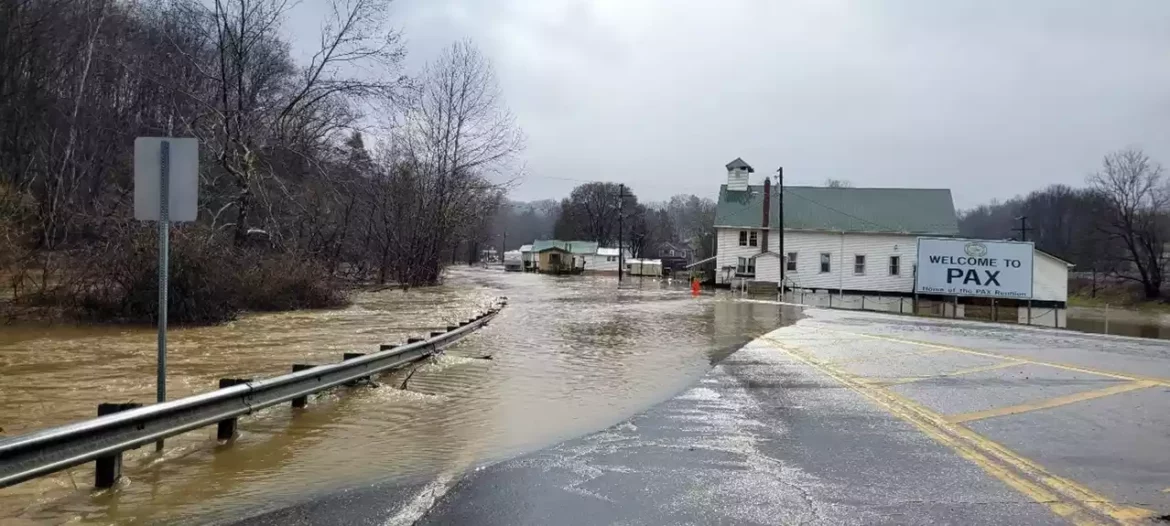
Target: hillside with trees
(1114,229)
(296,203)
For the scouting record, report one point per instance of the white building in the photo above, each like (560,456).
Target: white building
(644,267)
(853,245)
(604,261)
(846,239)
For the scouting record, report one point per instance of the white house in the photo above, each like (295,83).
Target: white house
(604,261)
(844,239)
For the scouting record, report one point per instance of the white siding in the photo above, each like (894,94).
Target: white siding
(1049,278)
(599,263)
(877,249)
(768,268)
(728,251)
(737,180)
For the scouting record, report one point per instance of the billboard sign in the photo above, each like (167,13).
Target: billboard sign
(974,267)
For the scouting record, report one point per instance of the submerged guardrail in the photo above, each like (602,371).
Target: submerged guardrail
(120,427)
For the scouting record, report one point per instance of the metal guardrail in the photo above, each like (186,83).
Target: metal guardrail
(104,438)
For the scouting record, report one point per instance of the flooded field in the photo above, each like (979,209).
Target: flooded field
(1122,322)
(570,355)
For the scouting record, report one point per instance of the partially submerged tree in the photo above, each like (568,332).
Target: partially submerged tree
(1136,197)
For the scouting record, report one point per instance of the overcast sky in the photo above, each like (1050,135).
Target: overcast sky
(988,98)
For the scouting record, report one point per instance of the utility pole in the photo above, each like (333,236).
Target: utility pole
(1024,228)
(503,246)
(780,227)
(621,253)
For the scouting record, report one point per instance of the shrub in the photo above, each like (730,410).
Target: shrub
(210,282)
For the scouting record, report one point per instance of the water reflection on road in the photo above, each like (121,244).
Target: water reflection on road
(570,355)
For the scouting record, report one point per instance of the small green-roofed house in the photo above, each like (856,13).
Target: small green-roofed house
(857,239)
(556,256)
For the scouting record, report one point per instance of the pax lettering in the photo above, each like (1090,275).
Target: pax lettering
(974,276)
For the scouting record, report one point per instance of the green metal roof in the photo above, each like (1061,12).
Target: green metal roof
(575,247)
(890,210)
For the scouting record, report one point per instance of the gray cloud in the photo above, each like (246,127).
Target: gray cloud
(989,99)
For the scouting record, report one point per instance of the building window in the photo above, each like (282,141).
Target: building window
(791,262)
(745,267)
(743,238)
(753,241)
(895,265)
(826,262)
(859,264)
(610,259)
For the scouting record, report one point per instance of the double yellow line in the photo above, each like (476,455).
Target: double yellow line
(1066,498)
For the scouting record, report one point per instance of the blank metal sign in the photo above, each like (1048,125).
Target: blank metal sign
(183,180)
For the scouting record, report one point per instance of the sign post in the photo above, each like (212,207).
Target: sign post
(166,188)
(164,264)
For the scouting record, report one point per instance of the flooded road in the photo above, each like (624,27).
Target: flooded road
(570,355)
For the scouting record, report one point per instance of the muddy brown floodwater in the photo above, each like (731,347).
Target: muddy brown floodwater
(570,355)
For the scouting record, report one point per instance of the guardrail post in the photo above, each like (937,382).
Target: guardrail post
(301,401)
(226,429)
(413,340)
(109,468)
(452,327)
(387,346)
(437,333)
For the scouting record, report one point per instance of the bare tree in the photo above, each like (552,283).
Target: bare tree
(838,183)
(1136,196)
(456,131)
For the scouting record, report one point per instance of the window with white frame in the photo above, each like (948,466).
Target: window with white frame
(895,265)
(791,262)
(743,237)
(745,266)
(753,239)
(826,262)
(859,264)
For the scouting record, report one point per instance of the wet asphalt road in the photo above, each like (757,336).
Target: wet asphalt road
(844,418)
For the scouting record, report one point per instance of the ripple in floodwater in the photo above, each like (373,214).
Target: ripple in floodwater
(570,355)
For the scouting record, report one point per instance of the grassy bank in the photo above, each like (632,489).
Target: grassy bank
(1117,298)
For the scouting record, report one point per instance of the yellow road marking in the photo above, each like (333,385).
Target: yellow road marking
(1075,368)
(960,372)
(1064,497)
(1049,403)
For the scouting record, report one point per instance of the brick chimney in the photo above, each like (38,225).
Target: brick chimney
(767,207)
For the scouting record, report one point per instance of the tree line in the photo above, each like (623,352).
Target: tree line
(1116,226)
(591,212)
(295,203)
